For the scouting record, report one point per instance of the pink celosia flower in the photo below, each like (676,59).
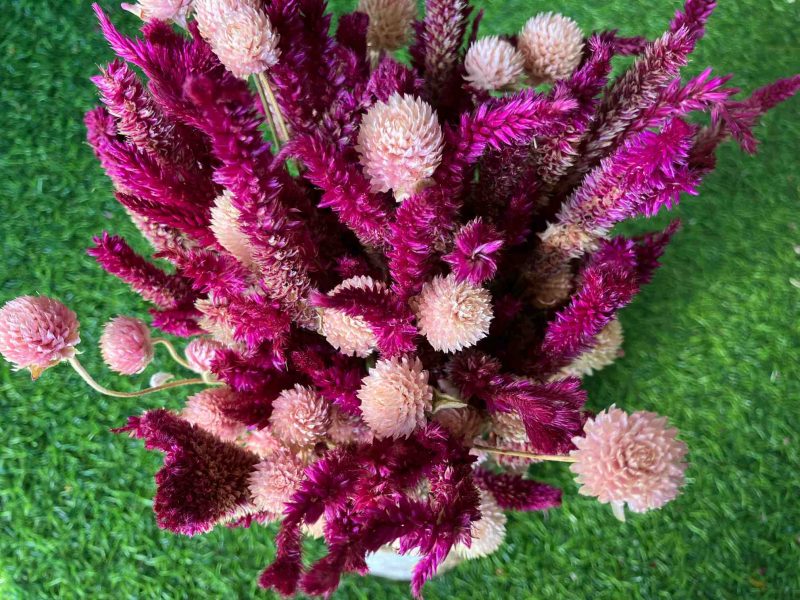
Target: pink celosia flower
(126,345)
(633,459)
(606,350)
(552,45)
(215,319)
(200,353)
(37,332)
(350,335)
(453,315)
(240,34)
(389,22)
(400,143)
(493,63)
(274,480)
(300,417)
(225,226)
(487,533)
(203,410)
(160,10)
(262,442)
(395,396)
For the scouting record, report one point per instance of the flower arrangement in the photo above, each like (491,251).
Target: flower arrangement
(390,298)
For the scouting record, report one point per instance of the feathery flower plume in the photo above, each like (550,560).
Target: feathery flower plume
(492,63)
(300,417)
(225,225)
(160,10)
(513,492)
(389,22)
(552,46)
(350,335)
(201,352)
(126,345)
(274,480)
(488,532)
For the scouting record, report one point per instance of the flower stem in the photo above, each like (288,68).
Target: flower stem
(105,391)
(267,111)
(172,352)
(283,131)
(530,455)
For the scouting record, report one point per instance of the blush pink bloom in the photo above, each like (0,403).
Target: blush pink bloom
(126,345)
(160,10)
(300,417)
(389,22)
(633,459)
(452,314)
(262,442)
(465,423)
(274,480)
(200,353)
(395,397)
(493,63)
(488,532)
(552,45)
(350,335)
(37,332)
(348,429)
(225,227)
(400,143)
(204,410)
(606,350)
(508,426)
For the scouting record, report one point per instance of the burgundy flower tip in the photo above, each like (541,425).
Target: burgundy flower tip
(201,352)
(633,459)
(160,10)
(300,416)
(274,480)
(488,532)
(552,45)
(206,410)
(493,63)
(389,22)
(350,335)
(126,345)
(37,332)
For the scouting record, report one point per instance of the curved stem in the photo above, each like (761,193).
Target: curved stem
(283,131)
(267,110)
(173,352)
(530,455)
(105,391)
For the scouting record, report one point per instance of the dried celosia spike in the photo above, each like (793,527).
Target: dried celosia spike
(201,352)
(126,345)
(493,63)
(350,335)
(37,332)
(274,480)
(206,410)
(629,459)
(552,45)
(606,349)
(512,492)
(160,10)
(488,532)
(474,255)
(300,417)
(225,225)
(389,22)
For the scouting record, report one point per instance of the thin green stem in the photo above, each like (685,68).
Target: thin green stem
(283,130)
(267,110)
(173,353)
(530,455)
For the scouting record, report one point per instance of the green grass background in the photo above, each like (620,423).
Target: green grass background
(713,343)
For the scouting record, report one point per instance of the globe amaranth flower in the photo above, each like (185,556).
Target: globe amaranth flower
(633,459)
(453,314)
(395,397)
(200,353)
(160,10)
(509,427)
(464,423)
(606,350)
(204,410)
(37,332)
(350,335)
(493,63)
(300,417)
(225,227)
(389,22)
(552,45)
(274,480)
(126,345)
(488,532)
(348,429)
(240,33)
(400,143)
(263,443)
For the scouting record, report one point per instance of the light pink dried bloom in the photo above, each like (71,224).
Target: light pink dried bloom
(453,314)
(203,410)
(240,34)
(216,320)
(200,353)
(160,10)
(508,426)
(350,335)
(552,45)
(488,533)
(395,396)
(126,345)
(274,480)
(37,332)
(400,143)
(300,416)
(633,459)
(389,22)
(263,442)
(225,227)
(465,423)
(348,429)
(605,351)
(317,530)
(493,63)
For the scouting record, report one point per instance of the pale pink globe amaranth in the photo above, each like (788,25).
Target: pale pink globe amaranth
(493,63)
(204,409)
(350,335)
(126,345)
(552,45)
(488,532)
(300,417)
(160,10)
(200,353)
(274,480)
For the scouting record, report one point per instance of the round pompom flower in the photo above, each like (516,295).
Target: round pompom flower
(262,442)
(348,429)
(465,423)
(126,345)
(395,396)
(552,45)
(389,22)
(160,10)
(487,533)
(240,34)
(204,409)
(452,314)
(605,351)
(200,353)
(400,144)
(493,63)
(633,459)
(508,426)
(37,332)
(300,416)
(225,227)
(350,335)
(274,480)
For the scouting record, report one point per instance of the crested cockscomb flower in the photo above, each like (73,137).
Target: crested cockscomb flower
(395,397)
(631,459)
(493,63)
(126,345)
(488,532)
(606,349)
(552,45)
(452,314)
(389,22)
(160,10)
(204,409)
(226,228)
(274,480)
(400,143)
(350,335)
(37,332)
(300,417)
(200,353)
(240,33)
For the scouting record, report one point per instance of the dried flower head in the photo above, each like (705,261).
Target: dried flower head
(126,345)
(348,429)
(225,226)
(389,22)
(395,396)
(465,423)
(400,143)
(274,480)
(216,319)
(37,332)
(204,410)
(240,34)
(604,352)
(350,335)
(453,314)
(633,459)
(493,63)
(488,532)
(200,353)
(508,426)
(552,45)
(300,416)
(263,442)
(160,10)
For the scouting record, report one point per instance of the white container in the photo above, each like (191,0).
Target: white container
(389,564)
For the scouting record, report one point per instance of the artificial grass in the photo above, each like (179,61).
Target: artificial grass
(713,342)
